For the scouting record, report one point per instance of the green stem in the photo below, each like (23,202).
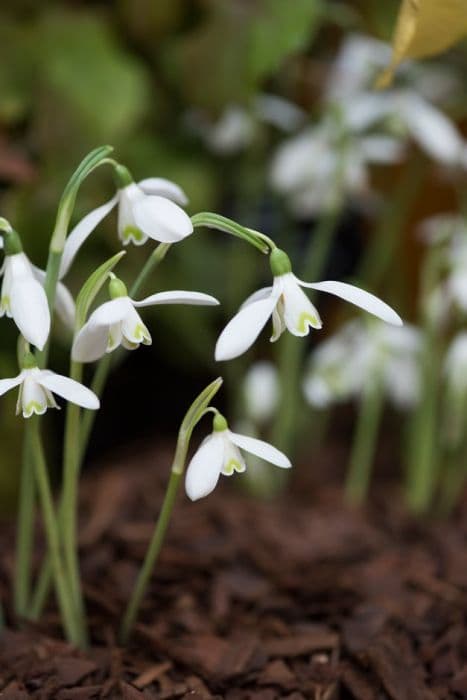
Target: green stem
(25,531)
(364,444)
(152,555)
(69,502)
(291,350)
(197,410)
(53,538)
(382,247)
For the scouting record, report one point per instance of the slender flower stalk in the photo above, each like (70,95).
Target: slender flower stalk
(53,537)
(194,414)
(364,444)
(25,527)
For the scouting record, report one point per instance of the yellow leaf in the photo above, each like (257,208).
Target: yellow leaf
(425,28)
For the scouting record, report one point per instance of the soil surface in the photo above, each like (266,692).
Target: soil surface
(301,598)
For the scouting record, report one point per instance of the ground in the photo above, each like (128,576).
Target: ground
(298,598)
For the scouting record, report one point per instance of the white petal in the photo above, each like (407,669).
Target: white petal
(81,232)
(164,188)
(7,384)
(134,330)
(30,310)
(257,296)
(261,449)
(161,219)
(34,398)
(90,344)
(241,332)
(434,132)
(299,312)
(177,297)
(354,295)
(205,467)
(232,461)
(381,149)
(65,305)
(69,389)
(110,312)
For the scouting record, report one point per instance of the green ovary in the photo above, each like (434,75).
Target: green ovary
(304,320)
(132,233)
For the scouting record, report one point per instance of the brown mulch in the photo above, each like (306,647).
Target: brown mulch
(302,598)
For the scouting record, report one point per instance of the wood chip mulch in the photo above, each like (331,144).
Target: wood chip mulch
(302,598)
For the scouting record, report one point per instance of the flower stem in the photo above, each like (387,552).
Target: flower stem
(364,444)
(53,538)
(197,410)
(152,555)
(25,531)
(69,502)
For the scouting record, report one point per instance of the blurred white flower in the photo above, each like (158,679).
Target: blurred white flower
(147,209)
(455,364)
(449,232)
(290,309)
(261,391)
(219,453)
(361,352)
(37,387)
(237,126)
(117,322)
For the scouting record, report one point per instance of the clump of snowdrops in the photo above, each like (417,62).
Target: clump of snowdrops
(151,213)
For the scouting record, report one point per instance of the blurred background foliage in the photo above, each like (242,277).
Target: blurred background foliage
(138,74)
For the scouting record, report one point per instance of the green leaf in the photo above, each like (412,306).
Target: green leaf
(199,405)
(92,287)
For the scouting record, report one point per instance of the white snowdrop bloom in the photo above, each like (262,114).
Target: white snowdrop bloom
(290,309)
(147,209)
(23,298)
(341,367)
(231,133)
(37,387)
(449,231)
(261,391)
(117,322)
(455,364)
(220,454)
(317,165)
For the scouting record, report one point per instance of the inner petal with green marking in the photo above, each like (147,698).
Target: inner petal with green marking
(232,466)
(132,233)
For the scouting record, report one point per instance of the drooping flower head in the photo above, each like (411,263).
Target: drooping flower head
(117,322)
(289,308)
(220,454)
(147,209)
(37,386)
(22,296)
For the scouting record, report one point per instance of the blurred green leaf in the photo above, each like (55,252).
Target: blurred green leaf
(105,88)
(238,45)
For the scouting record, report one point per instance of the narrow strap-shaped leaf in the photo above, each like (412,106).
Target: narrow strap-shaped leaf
(92,287)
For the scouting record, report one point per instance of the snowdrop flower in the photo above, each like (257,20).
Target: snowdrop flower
(455,365)
(220,454)
(318,165)
(261,391)
(118,323)
(22,296)
(37,387)
(147,209)
(341,367)
(450,233)
(290,309)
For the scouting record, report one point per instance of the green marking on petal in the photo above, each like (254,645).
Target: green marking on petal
(141,333)
(5,303)
(34,407)
(132,233)
(305,320)
(232,466)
